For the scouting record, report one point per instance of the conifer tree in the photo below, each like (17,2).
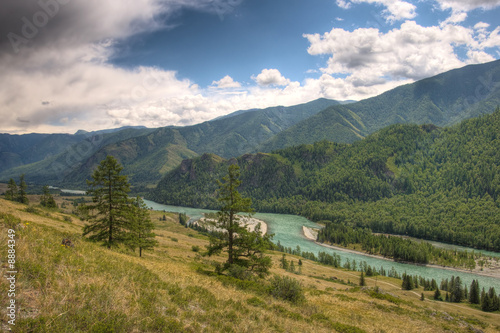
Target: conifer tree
(407,282)
(22,196)
(141,233)
(474,292)
(245,249)
(362,281)
(437,295)
(47,200)
(11,193)
(109,215)
(456,292)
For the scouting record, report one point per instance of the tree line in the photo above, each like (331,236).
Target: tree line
(395,247)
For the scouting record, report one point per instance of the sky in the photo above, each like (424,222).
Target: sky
(67,65)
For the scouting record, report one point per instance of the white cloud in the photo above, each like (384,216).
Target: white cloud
(64,82)
(396,10)
(226,82)
(468,5)
(411,52)
(459,8)
(269,77)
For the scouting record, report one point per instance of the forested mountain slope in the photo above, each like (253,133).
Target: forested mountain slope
(442,100)
(56,166)
(17,150)
(148,155)
(420,180)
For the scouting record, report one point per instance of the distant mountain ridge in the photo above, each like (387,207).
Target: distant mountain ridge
(442,100)
(147,154)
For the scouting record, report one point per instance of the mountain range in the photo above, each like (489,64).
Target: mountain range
(424,181)
(148,154)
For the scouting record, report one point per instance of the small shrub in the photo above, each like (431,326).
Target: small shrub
(32,210)
(195,248)
(286,288)
(239,272)
(255,301)
(174,239)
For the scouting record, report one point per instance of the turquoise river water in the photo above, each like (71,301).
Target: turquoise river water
(288,230)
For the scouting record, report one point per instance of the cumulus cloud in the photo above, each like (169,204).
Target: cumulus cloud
(271,77)
(409,52)
(59,78)
(396,10)
(459,8)
(226,82)
(468,5)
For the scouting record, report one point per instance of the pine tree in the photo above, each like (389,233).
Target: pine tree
(456,292)
(407,282)
(362,281)
(283,262)
(245,249)
(141,234)
(109,215)
(474,292)
(11,193)
(437,295)
(22,196)
(46,199)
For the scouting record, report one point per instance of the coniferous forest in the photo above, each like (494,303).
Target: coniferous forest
(423,181)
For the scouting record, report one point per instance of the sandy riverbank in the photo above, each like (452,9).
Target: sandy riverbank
(312,234)
(250,222)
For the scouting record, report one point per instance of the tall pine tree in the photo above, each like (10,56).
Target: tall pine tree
(109,215)
(46,199)
(245,249)
(474,292)
(141,233)
(11,193)
(22,196)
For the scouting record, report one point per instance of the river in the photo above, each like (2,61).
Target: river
(288,230)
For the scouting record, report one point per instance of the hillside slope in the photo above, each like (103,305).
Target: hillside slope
(411,174)
(442,100)
(149,154)
(88,288)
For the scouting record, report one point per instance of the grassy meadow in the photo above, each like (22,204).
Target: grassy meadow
(88,288)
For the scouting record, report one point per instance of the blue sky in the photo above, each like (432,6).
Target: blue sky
(70,65)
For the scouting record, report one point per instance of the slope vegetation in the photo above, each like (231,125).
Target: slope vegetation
(418,180)
(88,288)
(442,100)
(147,154)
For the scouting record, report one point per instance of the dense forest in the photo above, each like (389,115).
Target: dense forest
(397,248)
(434,183)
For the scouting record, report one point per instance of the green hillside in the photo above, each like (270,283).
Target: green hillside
(442,100)
(89,288)
(420,180)
(148,154)
(55,167)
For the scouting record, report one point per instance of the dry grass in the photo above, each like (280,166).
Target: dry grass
(172,289)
